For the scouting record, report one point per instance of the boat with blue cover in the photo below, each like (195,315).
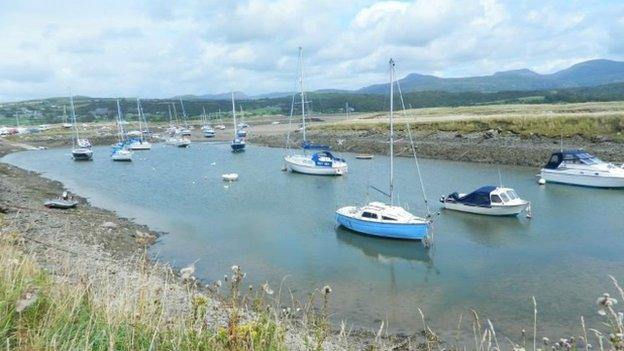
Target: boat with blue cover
(380,219)
(579,167)
(121,150)
(238,143)
(322,162)
(487,200)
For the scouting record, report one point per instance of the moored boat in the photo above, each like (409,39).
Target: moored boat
(121,151)
(579,167)
(487,200)
(81,148)
(322,162)
(238,143)
(386,220)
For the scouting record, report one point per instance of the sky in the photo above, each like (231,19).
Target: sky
(163,48)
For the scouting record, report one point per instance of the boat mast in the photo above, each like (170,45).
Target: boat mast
(183,113)
(234,115)
(120,130)
(73,111)
(204,118)
(175,114)
(139,113)
(301,93)
(170,116)
(391,132)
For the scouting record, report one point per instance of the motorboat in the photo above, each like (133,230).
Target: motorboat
(381,219)
(579,167)
(487,200)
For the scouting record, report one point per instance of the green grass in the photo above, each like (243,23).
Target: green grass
(75,316)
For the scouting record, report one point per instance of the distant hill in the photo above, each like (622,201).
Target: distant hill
(584,74)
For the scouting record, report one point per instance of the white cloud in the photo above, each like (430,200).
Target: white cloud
(164,48)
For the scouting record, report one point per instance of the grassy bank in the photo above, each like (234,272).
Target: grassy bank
(56,311)
(589,121)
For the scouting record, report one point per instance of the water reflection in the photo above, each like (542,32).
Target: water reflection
(385,250)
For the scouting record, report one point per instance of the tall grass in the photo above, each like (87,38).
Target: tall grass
(68,310)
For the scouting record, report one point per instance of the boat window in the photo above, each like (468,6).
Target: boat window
(369,215)
(496,199)
(504,197)
(512,195)
(388,218)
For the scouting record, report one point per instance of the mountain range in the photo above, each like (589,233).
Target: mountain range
(584,74)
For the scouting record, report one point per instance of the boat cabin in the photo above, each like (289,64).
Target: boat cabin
(578,157)
(485,196)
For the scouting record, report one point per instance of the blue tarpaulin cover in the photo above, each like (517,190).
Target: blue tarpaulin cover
(479,197)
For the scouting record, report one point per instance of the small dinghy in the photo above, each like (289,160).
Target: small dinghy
(364,156)
(60,203)
(487,200)
(230,177)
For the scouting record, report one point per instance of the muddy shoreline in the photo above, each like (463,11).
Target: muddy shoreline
(492,147)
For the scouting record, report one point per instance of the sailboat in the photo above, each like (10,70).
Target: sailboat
(81,148)
(185,130)
(206,127)
(220,126)
(66,123)
(241,132)
(120,150)
(238,143)
(380,219)
(321,162)
(175,137)
(141,143)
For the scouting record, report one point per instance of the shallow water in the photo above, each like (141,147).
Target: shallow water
(280,226)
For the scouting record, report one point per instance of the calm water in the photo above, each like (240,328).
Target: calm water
(278,225)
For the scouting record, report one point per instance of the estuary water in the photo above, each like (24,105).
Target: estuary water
(280,227)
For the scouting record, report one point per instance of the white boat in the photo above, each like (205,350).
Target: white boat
(81,148)
(139,142)
(380,219)
(178,141)
(120,151)
(487,200)
(66,124)
(578,167)
(122,155)
(321,162)
(186,130)
(230,177)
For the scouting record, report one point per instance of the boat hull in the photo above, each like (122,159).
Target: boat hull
(237,147)
(312,169)
(82,155)
(406,231)
(512,210)
(144,146)
(589,180)
(122,156)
